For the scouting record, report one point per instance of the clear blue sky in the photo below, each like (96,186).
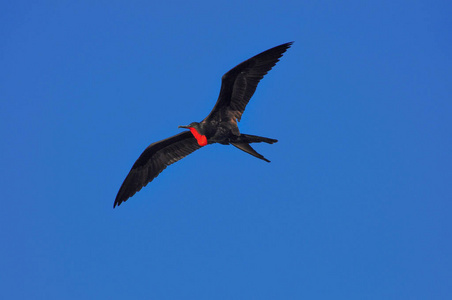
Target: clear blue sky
(356,203)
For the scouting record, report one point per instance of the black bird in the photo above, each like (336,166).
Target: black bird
(220,126)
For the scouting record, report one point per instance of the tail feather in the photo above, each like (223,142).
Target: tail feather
(248,149)
(244,140)
(248,138)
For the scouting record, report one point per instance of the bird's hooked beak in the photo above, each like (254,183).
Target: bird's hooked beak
(183,126)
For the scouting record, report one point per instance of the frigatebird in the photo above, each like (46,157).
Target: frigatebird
(220,126)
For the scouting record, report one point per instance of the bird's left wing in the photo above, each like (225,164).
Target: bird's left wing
(153,161)
(239,84)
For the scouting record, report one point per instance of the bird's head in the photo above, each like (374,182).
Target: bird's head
(197,131)
(194,125)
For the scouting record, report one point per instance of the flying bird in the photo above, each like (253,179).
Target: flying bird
(220,126)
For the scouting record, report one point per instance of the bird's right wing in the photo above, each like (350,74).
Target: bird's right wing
(153,161)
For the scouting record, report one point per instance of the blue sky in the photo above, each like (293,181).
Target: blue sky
(354,205)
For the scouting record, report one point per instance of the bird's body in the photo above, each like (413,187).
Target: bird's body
(220,126)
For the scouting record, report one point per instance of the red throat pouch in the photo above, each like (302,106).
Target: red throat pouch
(202,140)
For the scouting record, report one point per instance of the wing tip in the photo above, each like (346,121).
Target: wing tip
(285,46)
(117,202)
(123,196)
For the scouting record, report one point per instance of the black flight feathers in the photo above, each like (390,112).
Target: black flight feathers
(237,87)
(239,84)
(155,158)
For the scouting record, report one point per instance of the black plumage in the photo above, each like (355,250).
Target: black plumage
(154,159)
(220,126)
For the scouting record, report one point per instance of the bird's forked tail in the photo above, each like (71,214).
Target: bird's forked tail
(243,143)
